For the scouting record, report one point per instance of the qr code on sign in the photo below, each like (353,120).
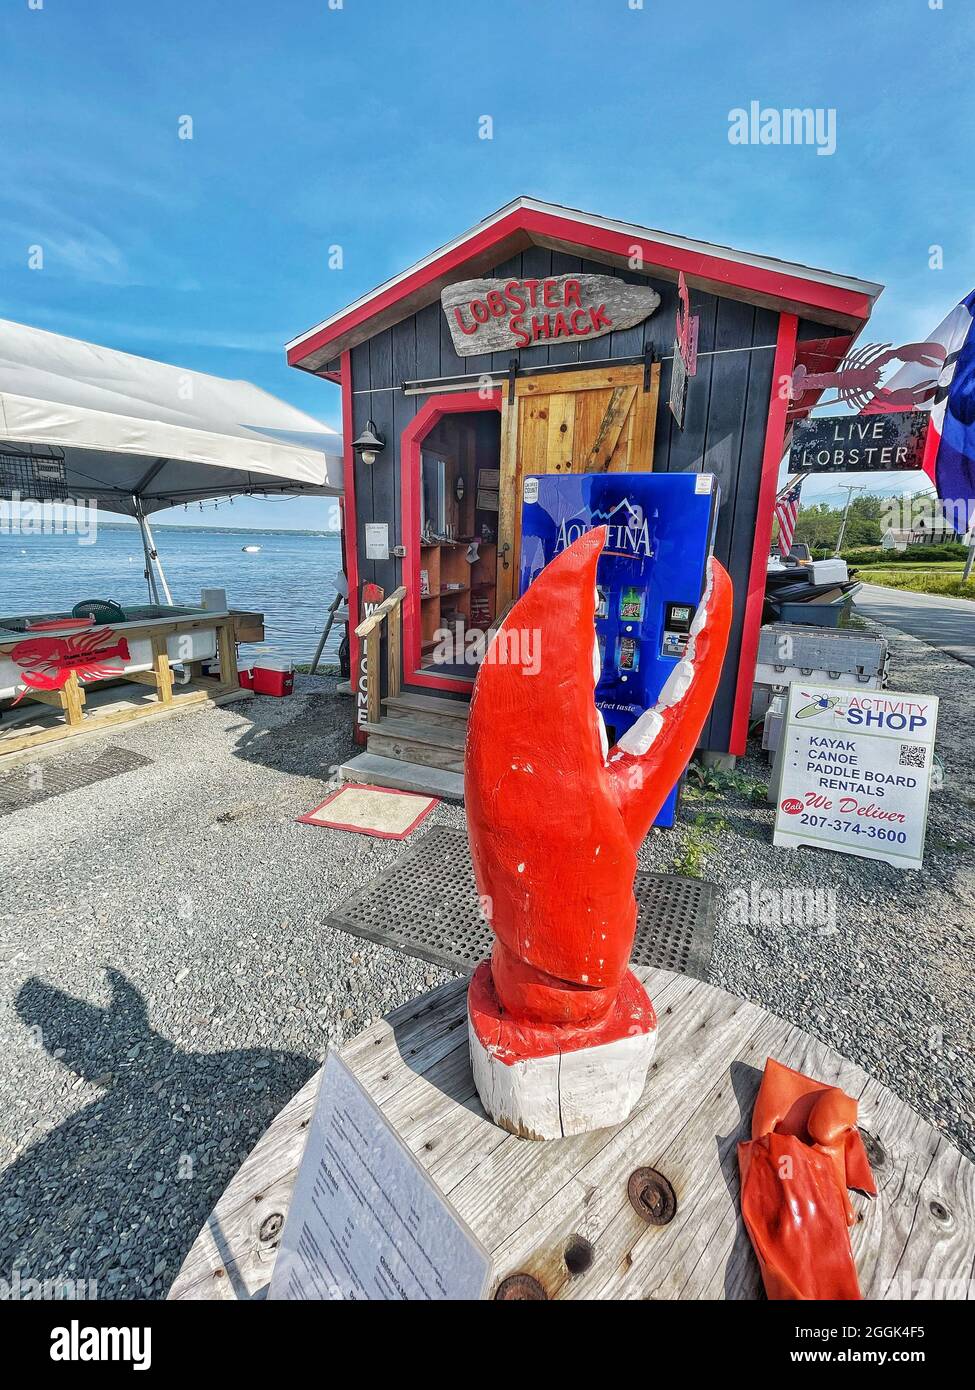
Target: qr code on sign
(912,755)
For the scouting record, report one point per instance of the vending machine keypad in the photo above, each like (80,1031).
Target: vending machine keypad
(677,629)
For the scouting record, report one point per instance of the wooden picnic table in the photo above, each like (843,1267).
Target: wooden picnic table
(536,1206)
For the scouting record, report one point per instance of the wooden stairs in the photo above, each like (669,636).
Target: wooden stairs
(417,746)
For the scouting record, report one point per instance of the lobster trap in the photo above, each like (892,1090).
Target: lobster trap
(27,477)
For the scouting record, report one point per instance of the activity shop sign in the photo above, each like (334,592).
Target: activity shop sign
(498,315)
(856,772)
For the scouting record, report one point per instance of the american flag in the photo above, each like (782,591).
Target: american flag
(786,513)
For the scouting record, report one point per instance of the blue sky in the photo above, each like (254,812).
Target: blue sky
(357,125)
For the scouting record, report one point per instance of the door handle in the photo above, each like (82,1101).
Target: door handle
(503,552)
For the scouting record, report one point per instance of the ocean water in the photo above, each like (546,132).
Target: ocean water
(291,580)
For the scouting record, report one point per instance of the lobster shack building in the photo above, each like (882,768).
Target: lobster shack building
(543,341)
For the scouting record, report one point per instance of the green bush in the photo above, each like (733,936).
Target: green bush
(926,554)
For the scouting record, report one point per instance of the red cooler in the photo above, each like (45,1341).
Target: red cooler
(273,676)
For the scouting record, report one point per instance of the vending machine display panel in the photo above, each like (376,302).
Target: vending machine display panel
(650,579)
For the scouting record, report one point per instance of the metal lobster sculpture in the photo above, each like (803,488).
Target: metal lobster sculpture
(555,820)
(858,379)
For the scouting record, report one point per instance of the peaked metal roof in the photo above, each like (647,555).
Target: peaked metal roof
(842,301)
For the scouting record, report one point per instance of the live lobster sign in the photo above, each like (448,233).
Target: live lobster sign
(498,315)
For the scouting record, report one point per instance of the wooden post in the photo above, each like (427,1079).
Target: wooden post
(72,698)
(393,645)
(162,670)
(368,631)
(227,653)
(373,698)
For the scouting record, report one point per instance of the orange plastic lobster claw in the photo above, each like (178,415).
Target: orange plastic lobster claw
(804,1153)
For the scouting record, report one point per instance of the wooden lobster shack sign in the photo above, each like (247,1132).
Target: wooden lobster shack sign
(499,315)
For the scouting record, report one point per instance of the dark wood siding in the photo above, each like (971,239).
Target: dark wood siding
(724,434)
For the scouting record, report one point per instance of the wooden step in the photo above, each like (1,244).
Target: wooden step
(422,730)
(426,707)
(434,745)
(377,771)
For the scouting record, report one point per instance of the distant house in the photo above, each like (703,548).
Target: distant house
(934,533)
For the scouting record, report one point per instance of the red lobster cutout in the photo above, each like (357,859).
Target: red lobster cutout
(555,819)
(47,663)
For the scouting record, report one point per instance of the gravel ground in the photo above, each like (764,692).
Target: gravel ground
(884,973)
(167,983)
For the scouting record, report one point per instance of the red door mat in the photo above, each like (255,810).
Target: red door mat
(381,811)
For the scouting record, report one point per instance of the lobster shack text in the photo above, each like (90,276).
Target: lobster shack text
(494,315)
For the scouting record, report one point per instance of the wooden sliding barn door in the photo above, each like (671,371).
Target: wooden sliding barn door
(587,421)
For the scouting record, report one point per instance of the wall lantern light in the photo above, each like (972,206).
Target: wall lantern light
(370,443)
(459,487)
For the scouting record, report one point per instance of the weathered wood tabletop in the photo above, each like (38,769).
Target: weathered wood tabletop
(530,1203)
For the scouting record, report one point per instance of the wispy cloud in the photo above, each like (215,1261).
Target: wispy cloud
(98,329)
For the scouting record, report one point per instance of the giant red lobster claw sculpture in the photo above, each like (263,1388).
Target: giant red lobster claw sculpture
(561,1031)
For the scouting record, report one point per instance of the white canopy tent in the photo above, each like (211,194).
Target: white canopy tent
(87,424)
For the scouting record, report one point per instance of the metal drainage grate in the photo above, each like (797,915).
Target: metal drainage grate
(31,783)
(425,904)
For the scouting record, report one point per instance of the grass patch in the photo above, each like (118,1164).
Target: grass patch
(709,784)
(947,567)
(924,582)
(697,842)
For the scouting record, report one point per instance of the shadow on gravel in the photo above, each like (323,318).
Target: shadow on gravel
(315,739)
(118,1192)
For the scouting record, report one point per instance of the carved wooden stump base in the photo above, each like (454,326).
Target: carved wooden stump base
(546,1081)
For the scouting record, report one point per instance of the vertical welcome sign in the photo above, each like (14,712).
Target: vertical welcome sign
(371,596)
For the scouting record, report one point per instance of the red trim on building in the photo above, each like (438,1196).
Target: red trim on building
(785,355)
(427,417)
(424,678)
(349,514)
(537,227)
(403,289)
(830,298)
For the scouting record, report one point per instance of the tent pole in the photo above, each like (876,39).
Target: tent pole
(155,555)
(150,577)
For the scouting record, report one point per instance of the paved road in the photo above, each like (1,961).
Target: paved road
(945,623)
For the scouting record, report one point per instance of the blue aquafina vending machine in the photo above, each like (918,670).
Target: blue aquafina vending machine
(650,577)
